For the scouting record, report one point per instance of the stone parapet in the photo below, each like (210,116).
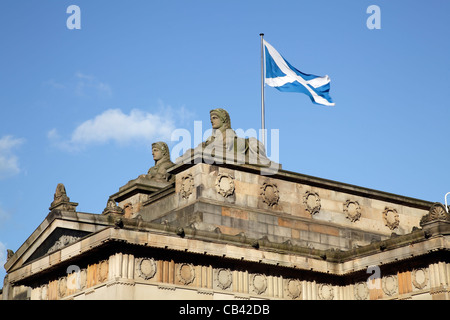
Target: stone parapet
(282,207)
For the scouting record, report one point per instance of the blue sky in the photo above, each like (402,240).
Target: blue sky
(82,107)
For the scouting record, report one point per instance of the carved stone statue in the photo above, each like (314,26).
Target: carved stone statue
(221,125)
(61,200)
(60,194)
(112,208)
(225,144)
(9,254)
(132,195)
(161,155)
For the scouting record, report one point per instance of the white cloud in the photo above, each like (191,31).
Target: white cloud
(54,84)
(9,162)
(82,85)
(116,126)
(87,84)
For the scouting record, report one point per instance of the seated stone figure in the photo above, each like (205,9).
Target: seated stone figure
(225,145)
(161,155)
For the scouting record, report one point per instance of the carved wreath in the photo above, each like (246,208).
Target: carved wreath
(313,206)
(352,210)
(420,278)
(225,185)
(325,292)
(187,186)
(389,285)
(44,292)
(146,268)
(62,287)
(270,194)
(293,288)
(186,273)
(83,279)
(224,278)
(102,271)
(390,217)
(259,283)
(361,291)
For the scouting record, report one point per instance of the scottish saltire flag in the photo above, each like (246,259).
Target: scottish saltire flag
(283,76)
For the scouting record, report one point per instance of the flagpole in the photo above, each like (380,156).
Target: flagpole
(263,138)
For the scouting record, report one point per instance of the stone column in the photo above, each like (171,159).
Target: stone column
(439,281)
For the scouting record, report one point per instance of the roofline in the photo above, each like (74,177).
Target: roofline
(432,238)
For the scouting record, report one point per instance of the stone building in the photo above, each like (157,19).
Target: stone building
(211,230)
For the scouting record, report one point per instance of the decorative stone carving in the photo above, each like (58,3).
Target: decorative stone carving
(389,285)
(146,268)
(44,292)
(223,278)
(62,287)
(102,271)
(224,145)
(225,185)
(311,201)
(73,278)
(293,288)
(361,291)
(187,186)
(60,194)
(325,292)
(9,254)
(161,155)
(270,194)
(112,208)
(259,283)
(352,210)
(63,241)
(436,212)
(186,273)
(61,201)
(419,278)
(391,219)
(83,279)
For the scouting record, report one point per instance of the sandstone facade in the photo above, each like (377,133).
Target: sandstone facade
(226,231)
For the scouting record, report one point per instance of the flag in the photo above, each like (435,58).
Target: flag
(282,75)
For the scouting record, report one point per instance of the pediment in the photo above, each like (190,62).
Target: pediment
(57,240)
(59,229)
